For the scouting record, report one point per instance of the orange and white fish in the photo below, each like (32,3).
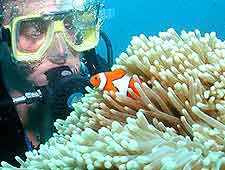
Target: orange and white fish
(117,81)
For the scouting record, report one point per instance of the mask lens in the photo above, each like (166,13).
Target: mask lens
(31,34)
(71,31)
(78,25)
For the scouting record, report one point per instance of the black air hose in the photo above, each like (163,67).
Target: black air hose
(108,48)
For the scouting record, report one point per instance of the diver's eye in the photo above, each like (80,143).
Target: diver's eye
(68,26)
(36,34)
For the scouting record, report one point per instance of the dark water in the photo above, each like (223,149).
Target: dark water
(152,16)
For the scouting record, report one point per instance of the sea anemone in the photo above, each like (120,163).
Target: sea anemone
(177,122)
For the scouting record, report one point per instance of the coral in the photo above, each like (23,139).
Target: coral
(176,123)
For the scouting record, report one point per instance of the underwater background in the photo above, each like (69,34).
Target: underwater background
(175,93)
(128,18)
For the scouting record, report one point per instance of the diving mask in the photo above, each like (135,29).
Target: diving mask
(80,30)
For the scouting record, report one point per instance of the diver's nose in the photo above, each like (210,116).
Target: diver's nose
(58,51)
(61,45)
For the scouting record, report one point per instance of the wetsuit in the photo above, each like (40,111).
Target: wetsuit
(13,141)
(12,137)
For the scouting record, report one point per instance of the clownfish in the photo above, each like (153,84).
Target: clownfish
(117,80)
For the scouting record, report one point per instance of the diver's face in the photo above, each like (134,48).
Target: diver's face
(31,38)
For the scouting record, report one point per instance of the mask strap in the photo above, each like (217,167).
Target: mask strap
(5,35)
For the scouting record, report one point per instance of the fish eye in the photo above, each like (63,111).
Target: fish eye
(96,78)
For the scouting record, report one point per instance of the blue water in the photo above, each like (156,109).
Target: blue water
(152,16)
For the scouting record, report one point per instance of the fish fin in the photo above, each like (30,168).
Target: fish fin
(110,87)
(131,85)
(117,74)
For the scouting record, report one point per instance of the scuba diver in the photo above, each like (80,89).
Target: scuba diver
(47,55)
